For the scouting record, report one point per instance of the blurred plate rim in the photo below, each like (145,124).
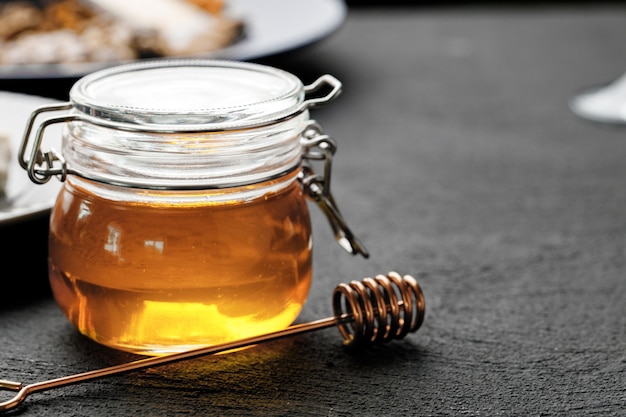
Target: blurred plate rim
(23,199)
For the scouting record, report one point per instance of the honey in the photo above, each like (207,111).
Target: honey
(162,277)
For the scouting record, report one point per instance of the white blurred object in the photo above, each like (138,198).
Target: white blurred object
(605,104)
(5,158)
(22,199)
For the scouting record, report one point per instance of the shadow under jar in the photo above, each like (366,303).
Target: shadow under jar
(182,220)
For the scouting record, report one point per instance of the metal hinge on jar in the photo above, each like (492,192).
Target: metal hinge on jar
(321,147)
(41,166)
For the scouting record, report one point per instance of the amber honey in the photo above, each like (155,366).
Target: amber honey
(165,274)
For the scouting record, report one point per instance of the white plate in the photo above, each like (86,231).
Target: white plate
(271,27)
(24,199)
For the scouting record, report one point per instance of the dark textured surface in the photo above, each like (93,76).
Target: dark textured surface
(459,162)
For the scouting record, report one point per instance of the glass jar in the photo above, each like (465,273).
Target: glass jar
(182,220)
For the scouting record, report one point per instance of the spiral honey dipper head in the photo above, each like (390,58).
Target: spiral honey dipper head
(382,308)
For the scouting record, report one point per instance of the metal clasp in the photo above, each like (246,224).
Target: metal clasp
(321,147)
(317,85)
(43,165)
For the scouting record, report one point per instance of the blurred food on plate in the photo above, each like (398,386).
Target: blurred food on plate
(70,31)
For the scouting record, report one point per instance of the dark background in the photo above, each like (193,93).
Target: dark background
(459,162)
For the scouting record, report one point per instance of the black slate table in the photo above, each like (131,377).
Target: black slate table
(459,162)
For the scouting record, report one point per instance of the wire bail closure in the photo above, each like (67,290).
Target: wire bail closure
(42,165)
(321,147)
(318,146)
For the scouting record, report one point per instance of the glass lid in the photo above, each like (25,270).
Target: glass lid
(188,95)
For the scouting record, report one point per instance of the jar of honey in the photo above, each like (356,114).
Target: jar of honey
(182,219)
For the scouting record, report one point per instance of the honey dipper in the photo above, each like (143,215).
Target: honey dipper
(370,311)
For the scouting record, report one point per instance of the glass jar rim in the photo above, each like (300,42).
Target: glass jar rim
(188,95)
